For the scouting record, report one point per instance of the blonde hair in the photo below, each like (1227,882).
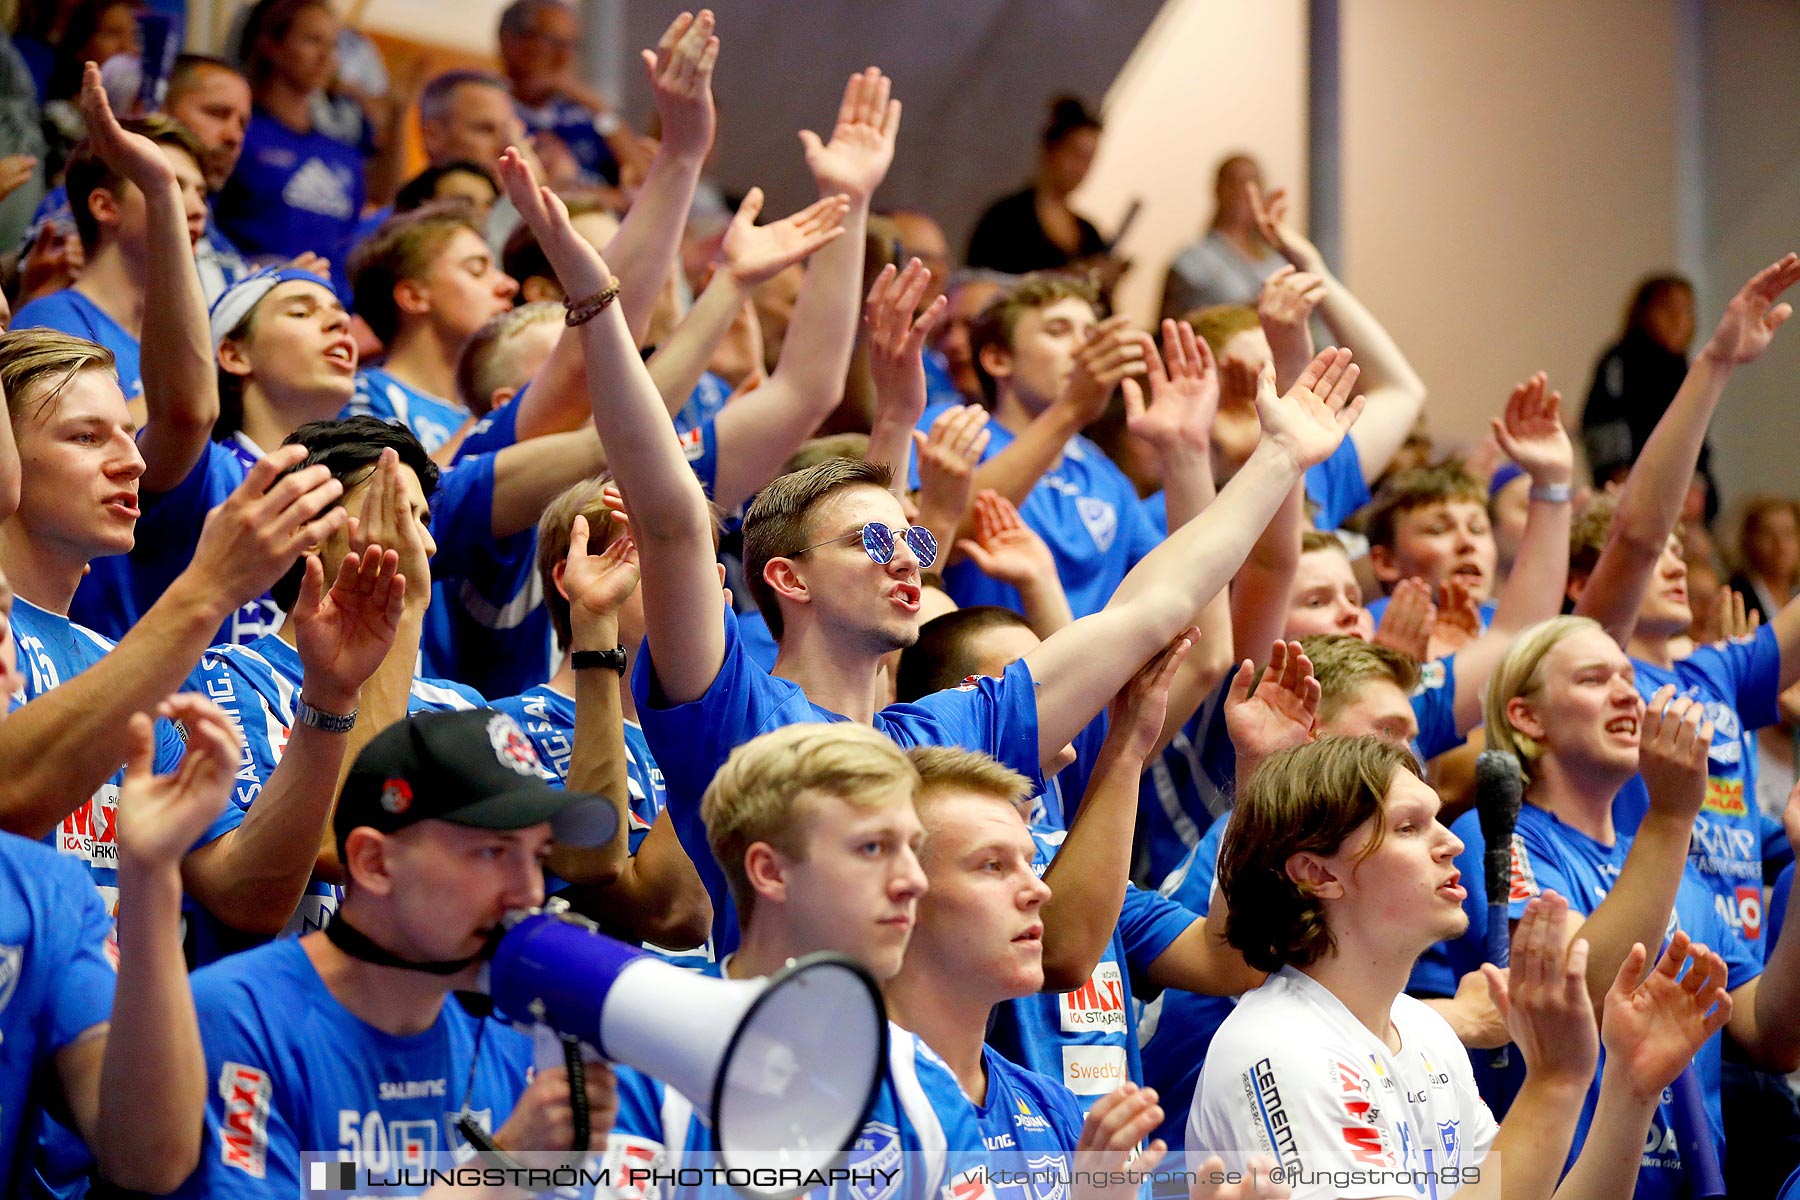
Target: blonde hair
(1520,672)
(1219,323)
(487,362)
(34,361)
(761,793)
(943,768)
(1343,664)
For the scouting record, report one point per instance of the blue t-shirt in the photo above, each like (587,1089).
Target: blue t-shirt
(1031,1120)
(692,741)
(1736,683)
(1087,512)
(703,403)
(1546,854)
(1087,1038)
(53,650)
(1176,1028)
(1335,488)
(73,313)
(291,193)
(432,419)
(289,1069)
(574,124)
(57,976)
(919,1138)
(496,431)
(257,686)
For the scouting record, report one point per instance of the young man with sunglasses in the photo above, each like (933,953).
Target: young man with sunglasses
(836,570)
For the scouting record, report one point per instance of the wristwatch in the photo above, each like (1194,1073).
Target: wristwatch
(1552,493)
(588,660)
(315,718)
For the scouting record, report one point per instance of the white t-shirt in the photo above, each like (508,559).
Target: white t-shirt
(1293,1075)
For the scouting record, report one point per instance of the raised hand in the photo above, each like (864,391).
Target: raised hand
(1112,353)
(1673,743)
(1532,434)
(1653,1029)
(1312,418)
(1184,391)
(1753,316)
(948,457)
(1280,714)
(1271,214)
(344,635)
(1408,621)
(162,816)
(1136,715)
(1284,308)
(1736,619)
(387,520)
(1003,546)
(1543,996)
(861,149)
(756,253)
(1115,1125)
(680,70)
(1458,620)
(897,340)
(597,585)
(250,541)
(132,155)
(15,169)
(576,261)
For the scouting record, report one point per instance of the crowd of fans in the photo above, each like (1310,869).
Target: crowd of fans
(383,556)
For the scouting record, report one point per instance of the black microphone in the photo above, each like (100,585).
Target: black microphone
(1499,790)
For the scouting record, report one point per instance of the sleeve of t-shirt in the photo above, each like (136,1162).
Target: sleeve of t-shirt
(1337,485)
(494,432)
(169,528)
(250,1149)
(1536,867)
(1755,672)
(692,741)
(998,717)
(1149,923)
(1434,708)
(462,518)
(86,980)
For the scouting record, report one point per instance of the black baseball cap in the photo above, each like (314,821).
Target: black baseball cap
(473,767)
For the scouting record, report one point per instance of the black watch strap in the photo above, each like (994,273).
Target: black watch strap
(588,660)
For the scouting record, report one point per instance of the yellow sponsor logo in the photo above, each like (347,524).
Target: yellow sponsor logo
(1726,797)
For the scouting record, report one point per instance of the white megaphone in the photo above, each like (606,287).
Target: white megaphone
(785,1069)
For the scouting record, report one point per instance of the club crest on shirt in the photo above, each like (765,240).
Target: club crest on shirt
(1451,1141)
(876,1156)
(1101,519)
(1049,1178)
(511,746)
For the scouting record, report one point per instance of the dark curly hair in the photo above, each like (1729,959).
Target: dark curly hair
(1304,800)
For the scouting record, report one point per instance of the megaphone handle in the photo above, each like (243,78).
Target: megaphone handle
(578,1102)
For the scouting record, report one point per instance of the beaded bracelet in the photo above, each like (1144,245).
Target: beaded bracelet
(580,312)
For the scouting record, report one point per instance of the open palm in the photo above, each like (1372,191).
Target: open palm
(1753,316)
(1281,712)
(1654,1029)
(861,149)
(756,253)
(1311,420)
(1531,432)
(344,635)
